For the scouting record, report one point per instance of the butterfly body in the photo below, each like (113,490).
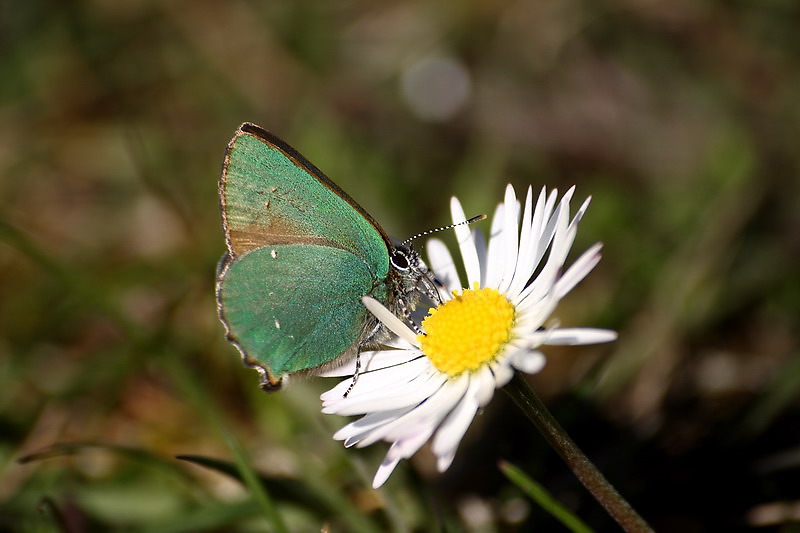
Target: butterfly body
(300,255)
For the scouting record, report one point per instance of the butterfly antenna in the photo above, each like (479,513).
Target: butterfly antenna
(451,226)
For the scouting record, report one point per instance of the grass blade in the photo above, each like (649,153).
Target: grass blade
(545,500)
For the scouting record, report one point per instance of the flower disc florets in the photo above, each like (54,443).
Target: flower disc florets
(468,331)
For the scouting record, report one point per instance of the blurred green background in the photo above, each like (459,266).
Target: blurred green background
(680,119)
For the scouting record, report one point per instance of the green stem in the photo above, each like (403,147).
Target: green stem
(586,472)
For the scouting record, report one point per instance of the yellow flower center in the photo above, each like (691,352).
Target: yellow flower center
(468,331)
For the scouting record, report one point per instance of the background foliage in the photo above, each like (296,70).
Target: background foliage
(679,118)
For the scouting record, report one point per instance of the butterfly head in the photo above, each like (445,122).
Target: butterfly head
(410,281)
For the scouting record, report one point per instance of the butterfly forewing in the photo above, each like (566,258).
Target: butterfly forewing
(269,194)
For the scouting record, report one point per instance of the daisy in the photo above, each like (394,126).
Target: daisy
(431,384)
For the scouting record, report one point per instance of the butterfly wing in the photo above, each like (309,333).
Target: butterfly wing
(301,253)
(287,321)
(270,194)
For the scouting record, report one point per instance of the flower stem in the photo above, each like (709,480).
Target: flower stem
(587,473)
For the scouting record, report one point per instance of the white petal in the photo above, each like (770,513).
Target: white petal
(443,265)
(425,416)
(548,225)
(388,358)
(528,361)
(402,449)
(502,374)
(496,254)
(555,259)
(483,256)
(541,214)
(393,396)
(578,270)
(390,320)
(386,379)
(544,227)
(486,387)
(443,462)
(409,368)
(393,381)
(455,425)
(466,243)
(561,242)
(511,239)
(423,419)
(581,211)
(372,360)
(333,395)
(384,471)
(523,270)
(433,410)
(577,336)
(566,236)
(535,312)
(532,339)
(410,444)
(549,206)
(541,232)
(356,431)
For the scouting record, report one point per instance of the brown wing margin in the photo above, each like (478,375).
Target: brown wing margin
(267,381)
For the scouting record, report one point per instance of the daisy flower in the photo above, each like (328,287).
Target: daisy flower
(431,384)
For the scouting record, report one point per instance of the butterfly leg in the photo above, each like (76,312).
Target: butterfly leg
(355,373)
(430,287)
(370,342)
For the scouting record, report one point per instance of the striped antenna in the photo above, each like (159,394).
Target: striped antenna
(451,226)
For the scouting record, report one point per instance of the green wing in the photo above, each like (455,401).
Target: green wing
(301,253)
(270,194)
(295,306)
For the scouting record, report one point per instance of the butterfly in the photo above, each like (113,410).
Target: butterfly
(301,253)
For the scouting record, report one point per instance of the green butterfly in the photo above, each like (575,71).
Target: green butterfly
(300,255)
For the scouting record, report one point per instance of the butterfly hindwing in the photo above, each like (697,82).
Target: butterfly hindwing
(288,322)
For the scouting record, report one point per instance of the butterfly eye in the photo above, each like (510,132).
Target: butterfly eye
(400,260)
